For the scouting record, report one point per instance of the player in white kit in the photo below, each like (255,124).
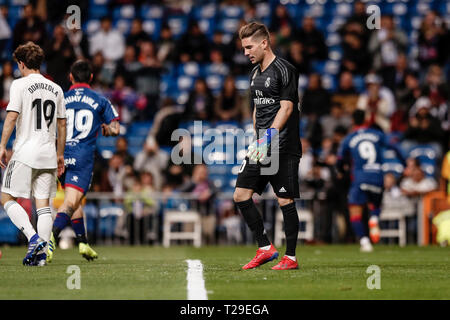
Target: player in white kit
(36,108)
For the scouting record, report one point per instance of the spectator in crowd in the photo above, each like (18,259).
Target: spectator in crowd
(231,221)
(385,45)
(108,41)
(346,93)
(138,204)
(280,18)
(165,122)
(313,40)
(229,104)
(59,55)
(128,66)
(437,91)
(217,65)
(128,102)
(79,41)
(122,150)
(29,28)
(200,103)
(240,64)
(336,118)
(102,71)
(297,57)
(433,41)
(148,78)
(355,57)
(153,160)
(5,31)
(405,98)
(218,43)
(137,35)
(284,37)
(398,79)
(116,175)
(423,127)
(6,78)
(414,185)
(193,45)
(357,23)
(316,99)
(393,197)
(378,110)
(166,45)
(204,192)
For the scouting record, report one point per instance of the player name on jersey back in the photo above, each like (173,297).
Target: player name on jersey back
(39,102)
(82,98)
(45,86)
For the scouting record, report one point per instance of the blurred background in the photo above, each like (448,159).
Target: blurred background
(165,64)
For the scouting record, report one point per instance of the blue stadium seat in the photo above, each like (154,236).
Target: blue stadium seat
(92,26)
(106,152)
(418,8)
(391,164)
(207,26)
(124,12)
(91,212)
(228,25)
(185,83)
(134,150)
(358,83)
(8,231)
(139,128)
(235,12)
(14,15)
(428,157)
(216,69)
(242,83)
(136,141)
(207,11)
(150,12)
(191,69)
(178,25)
(329,82)
(152,27)
(106,141)
(123,25)
(215,82)
(97,11)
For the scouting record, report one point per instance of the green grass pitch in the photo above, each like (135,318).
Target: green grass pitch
(326,272)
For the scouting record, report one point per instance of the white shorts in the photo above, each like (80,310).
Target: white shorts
(22,181)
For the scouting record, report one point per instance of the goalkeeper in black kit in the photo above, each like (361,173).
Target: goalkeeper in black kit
(274,97)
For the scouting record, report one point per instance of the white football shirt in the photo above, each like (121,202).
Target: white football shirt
(39,103)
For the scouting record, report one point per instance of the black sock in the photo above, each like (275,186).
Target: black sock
(291,226)
(254,221)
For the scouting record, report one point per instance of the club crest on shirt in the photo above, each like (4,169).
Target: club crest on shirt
(267,83)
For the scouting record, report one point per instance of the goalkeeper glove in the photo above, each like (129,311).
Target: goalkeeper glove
(258,150)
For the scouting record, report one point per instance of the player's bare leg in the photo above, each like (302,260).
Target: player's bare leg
(356,212)
(20,218)
(78,226)
(291,226)
(266,251)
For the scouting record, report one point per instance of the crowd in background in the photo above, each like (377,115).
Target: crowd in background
(406,96)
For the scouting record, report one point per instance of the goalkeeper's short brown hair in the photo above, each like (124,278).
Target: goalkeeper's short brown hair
(30,54)
(254,29)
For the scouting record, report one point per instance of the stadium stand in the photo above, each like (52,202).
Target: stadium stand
(175,76)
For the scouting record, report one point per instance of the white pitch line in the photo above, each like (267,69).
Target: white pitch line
(195,283)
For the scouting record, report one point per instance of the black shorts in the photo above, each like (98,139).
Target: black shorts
(284,182)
